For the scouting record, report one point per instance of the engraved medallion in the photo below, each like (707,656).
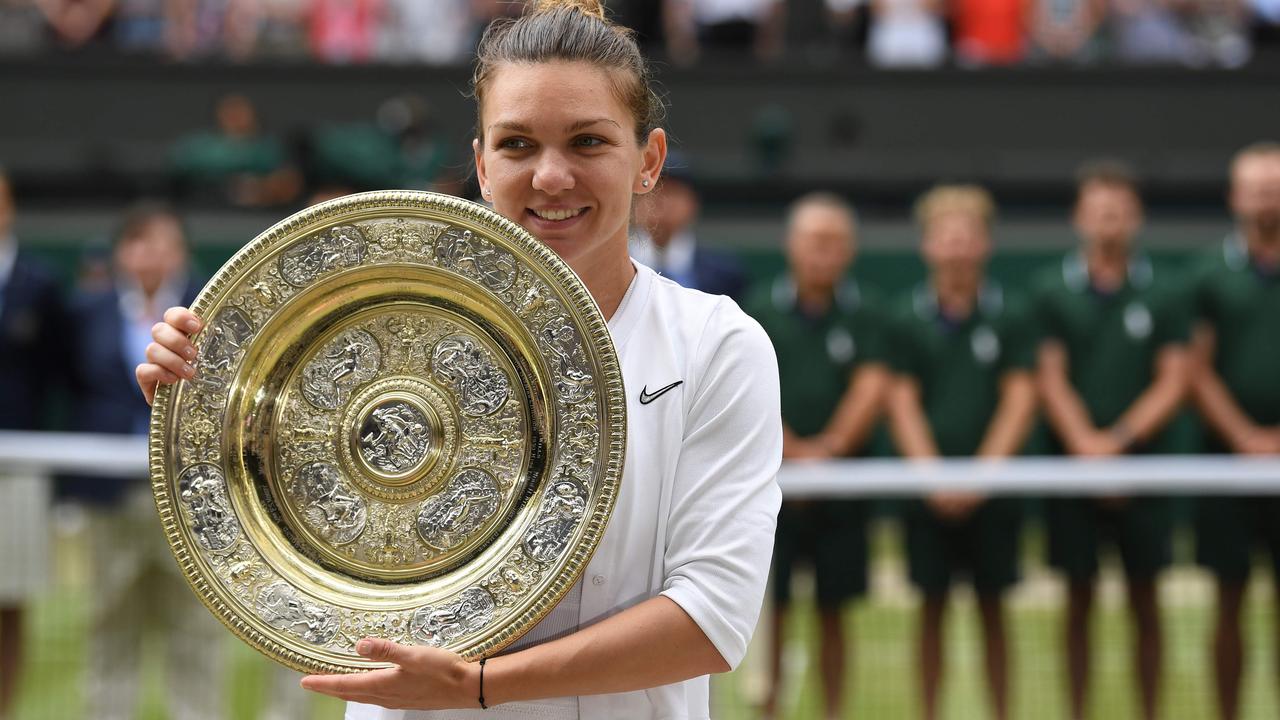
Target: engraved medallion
(407,421)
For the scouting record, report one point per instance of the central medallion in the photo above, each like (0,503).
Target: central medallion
(401,438)
(394,437)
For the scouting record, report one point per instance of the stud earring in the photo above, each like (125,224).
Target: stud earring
(645,182)
(486,192)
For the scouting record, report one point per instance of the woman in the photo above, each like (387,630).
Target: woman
(566,135)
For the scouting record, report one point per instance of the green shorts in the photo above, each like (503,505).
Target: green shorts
(982,547)
(1141,529)
(1229,529)
(832,536)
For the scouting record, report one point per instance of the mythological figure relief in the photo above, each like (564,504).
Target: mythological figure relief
(563,507)
(452,516)
(511,582)
(228,333)
(339,247)
(572,381)
(470,613)
(394,437)
(347,361)
(284,608)
(401,237)
(203,491)
(466,366)
(328,506)
(464,253)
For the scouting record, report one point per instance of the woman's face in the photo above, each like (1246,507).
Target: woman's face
(559,156)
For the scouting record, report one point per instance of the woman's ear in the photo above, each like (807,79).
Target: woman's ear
(653,155)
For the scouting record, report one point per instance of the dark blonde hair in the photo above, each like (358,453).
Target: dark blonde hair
(971,200)
(571,31)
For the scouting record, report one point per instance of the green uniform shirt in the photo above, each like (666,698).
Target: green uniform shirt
(1242,303)
(817,355)
(1111,340)
(959,364)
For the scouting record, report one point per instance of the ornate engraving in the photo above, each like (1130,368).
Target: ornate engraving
(327,505)
(344,363)
(284,608)
(463,252)
(394,437)
(222,347)
(563,507)
(464,364)
(470,613)
(451,517)
(572,381)
(339,247)
(203,491)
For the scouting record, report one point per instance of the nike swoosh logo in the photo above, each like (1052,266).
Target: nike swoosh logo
(646,397)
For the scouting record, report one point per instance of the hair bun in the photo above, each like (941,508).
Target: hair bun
(587,7)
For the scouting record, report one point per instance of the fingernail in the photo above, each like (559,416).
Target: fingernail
(364,647)
(190,352)
(188,370)
(192,326)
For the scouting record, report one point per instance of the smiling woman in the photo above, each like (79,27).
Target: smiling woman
(567,134)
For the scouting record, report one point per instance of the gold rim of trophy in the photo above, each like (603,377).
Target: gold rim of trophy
(407,422)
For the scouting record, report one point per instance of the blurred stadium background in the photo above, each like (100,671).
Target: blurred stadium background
(240,112)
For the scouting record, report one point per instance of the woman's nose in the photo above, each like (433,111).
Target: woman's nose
(553,173)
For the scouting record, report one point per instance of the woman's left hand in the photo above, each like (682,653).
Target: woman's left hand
(425,678)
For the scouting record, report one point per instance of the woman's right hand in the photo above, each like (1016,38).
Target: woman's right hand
(171,356)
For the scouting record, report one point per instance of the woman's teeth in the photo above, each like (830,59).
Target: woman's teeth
(557,214)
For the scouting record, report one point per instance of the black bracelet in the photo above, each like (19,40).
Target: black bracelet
(482,705)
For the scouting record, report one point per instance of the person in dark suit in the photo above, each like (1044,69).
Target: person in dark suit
(664,238)
(30,323)
(138,589)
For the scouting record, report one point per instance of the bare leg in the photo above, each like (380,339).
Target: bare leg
(931,639)
(778,619)
(10,656)
(1228,648)
(995,651)
(1079,607)
(1146,618)
(832,659)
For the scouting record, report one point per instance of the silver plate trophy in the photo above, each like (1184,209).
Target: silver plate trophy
(407,422)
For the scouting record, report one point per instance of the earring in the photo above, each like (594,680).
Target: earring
(486,192)
(645,182)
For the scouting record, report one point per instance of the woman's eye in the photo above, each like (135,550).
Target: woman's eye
(588,141)
(513,143)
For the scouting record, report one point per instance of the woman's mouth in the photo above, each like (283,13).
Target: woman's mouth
(557,214)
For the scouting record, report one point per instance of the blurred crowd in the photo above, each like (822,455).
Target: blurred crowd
(1103,346)
(882,33)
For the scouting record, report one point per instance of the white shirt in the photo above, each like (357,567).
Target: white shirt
(699,498)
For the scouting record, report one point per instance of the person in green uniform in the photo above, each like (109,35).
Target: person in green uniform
(236,162)
(963,386)
(1112,372)
(1236,385)
(830,359)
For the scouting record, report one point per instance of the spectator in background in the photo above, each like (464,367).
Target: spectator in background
(829,344)
(137,588)
(236,162)
(78,23)
(1067,31)
(344,31)
(664,236)
(990,32)
(1151,32)
(441,32)
(963,358)
(30,320)
(1236,382)
(400,149)
(723,28)
(907,33)
(22,27)
(1112,371)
